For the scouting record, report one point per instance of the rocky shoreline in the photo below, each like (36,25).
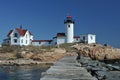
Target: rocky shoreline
(103,62)
(32,57)
(101,70)
(20,62)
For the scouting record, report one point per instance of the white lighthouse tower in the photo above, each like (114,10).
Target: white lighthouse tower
(69,24)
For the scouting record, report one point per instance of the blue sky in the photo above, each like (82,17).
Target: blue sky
(44,18)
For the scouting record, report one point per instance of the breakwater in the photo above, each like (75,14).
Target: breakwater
(67,68)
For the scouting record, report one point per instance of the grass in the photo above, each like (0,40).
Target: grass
(14,52)
(35,49)
(67,47)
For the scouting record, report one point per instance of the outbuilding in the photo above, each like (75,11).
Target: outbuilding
(42,42)
(88,38)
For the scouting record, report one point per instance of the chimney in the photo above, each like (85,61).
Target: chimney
(20,26)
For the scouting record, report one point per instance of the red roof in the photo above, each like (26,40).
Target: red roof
(76,36)
(41,40)
(20,31)
(10,32)
(60,34)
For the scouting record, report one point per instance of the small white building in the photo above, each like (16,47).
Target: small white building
(88,38)
(59,39)
(19,37)
(76,38)
(42,42)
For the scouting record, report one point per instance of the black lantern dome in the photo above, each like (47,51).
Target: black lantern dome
(69,20)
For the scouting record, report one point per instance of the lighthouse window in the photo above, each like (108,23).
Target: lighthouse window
(68,25)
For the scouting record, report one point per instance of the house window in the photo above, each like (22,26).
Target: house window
(26,36)
(8,42)
(15,35)
(83,37)
(77,39)
(39,42)
(9,38)
(26,41)
(15,40)
(22,41)
(49,42)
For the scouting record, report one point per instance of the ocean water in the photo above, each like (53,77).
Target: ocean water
(28,72)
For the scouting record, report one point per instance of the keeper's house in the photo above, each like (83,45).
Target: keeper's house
(19,37)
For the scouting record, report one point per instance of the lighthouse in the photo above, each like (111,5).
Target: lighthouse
(69,24)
